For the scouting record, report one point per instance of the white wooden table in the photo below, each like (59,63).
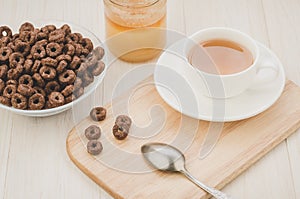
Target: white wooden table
(33,159)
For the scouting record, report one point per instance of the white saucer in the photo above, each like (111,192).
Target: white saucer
(175,88)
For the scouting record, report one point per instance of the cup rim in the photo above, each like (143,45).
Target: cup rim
(187,49)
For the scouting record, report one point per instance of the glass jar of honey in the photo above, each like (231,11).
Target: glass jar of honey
(135,29)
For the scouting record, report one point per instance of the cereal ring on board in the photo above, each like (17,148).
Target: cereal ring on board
(93,132)
(94,147)
(98,113)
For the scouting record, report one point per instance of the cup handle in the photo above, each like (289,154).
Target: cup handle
(263,73)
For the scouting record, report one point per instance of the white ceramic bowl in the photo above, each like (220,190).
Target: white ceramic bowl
(89,90)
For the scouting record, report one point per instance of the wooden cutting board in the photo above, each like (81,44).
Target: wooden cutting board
(122,172)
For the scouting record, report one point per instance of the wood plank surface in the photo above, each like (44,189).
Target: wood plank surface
(272,22)
(284,37)
(241,144)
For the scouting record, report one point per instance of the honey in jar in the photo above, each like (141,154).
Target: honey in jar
(135,29)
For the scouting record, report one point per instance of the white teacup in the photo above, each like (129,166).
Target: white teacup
(225,86)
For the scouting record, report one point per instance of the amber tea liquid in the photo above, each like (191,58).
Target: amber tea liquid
(220,56)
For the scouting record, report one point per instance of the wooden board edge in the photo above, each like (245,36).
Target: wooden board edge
(250,162)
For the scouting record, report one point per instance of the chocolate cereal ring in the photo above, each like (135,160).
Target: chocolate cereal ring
(93,132)
(5,53)
(61,66)
(29,57)
(68,49)
(42,42)
(15,59)
(25,90)
(36,102)
(68,90)
(11,82)
(98,68)
(85,52)
(39,90)
(3,71)
(9,90)
(72,38)
(19,101)
(123,119)
(36,66)
(78,35)
(77,83)
(79,92)
(22,47)
(78,48)
(48,28)
(56,99)
(48,105)
(4,41)
(28,36)
(120,131)
(15,36)
(82,69)
(98,52)
(2,86)
(57,36)
(62,57)
(98,113)
(5,101)
(27,65)
(49,62)
(87,79)
(76,62)
(48,73)
(94,147)
(53,49)
(38,80)
(66,28)
(26,27)
(5,31)
(68,77)
(14,73)
(52,86)
(38,52)
(69,99)
(91,61)
(11,45)
(41,36)
(87,44)
(26,79)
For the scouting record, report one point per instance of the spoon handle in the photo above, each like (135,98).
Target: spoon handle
(214,192)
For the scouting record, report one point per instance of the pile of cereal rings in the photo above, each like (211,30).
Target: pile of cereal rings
(47,67)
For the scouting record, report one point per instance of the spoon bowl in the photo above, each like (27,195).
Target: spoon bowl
(168,158)
(164,157)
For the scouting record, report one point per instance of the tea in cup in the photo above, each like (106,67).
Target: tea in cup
(227,62)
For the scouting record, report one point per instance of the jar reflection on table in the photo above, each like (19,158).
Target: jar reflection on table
(135,29)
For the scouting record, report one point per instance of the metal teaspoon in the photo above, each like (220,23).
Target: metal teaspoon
(167,158)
